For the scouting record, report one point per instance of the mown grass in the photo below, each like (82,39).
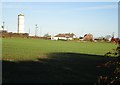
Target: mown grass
(31,49)
(40,62)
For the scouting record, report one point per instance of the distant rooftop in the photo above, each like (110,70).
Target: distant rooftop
(20,15)
(65,35)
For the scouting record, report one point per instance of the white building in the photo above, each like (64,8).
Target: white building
(21,24)
(66,36)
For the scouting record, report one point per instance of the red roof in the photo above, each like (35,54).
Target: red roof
(65,35)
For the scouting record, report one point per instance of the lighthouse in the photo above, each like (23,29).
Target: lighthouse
(21,24)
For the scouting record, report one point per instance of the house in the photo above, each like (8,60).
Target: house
(88,37)
(114,40)
(66,36)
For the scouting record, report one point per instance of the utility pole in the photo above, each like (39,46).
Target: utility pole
(113,34)
(36,30)
(39,31)
(7,28)
(3,25)
(29,31)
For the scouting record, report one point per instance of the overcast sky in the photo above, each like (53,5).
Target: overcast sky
(97,18)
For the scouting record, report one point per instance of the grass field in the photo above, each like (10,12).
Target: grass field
(29,49)
(53,62)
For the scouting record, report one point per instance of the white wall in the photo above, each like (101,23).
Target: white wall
(64,38)
(21,24)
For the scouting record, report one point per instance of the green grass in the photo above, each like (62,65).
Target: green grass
(31,49)
(53,62)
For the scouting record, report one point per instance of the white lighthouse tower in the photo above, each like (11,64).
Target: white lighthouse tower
(21,24)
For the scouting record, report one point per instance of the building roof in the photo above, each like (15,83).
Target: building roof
(65,35)
(88,37)
(20,15)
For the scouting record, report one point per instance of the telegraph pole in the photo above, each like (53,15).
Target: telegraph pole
(39,30)
(113,34)
(36,30)
(29,31)
(3,25)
